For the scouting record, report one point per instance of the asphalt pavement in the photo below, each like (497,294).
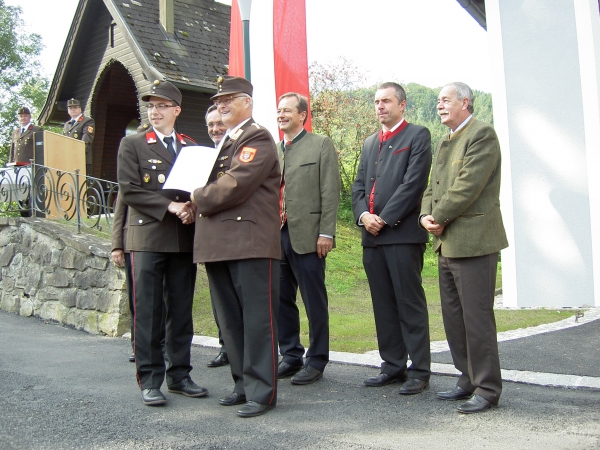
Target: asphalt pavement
(64,389)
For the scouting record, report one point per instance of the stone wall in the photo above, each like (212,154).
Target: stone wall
(49,271)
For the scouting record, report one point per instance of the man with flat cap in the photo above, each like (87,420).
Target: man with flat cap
(239,210)
(21,147)
(160,238)
(82,128)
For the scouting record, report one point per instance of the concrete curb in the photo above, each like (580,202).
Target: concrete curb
(372,359)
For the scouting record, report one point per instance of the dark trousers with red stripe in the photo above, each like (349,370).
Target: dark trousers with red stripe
(246,297)
(178,273)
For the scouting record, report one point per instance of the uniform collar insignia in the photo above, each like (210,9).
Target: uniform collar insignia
(236,135)
(181,139)
(151,137)
(80,118)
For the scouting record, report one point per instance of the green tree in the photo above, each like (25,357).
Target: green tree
(21,82)
(342,110)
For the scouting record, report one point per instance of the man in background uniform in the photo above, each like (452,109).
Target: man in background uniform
(160,239)
(21,147)
(82,128)
(216,131)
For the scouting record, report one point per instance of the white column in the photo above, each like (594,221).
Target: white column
(546,98)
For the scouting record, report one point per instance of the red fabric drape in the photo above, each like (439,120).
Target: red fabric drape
(289,42)
(236,42)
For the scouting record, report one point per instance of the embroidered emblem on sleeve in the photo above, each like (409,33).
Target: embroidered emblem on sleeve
(247,154)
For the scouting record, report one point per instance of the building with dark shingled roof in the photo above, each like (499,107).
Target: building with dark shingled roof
(114,51)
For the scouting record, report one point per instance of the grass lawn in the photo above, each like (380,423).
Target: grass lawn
(352,326)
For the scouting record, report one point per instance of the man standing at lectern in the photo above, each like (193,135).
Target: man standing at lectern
(82,128)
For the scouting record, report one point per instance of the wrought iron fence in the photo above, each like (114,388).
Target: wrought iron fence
(42,191)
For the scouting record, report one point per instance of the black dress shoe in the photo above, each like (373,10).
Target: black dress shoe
(219,361)
(413,386)
(253,409)
(189,388)
(153,397)
(307,375)
(132,357)
(285,370)
(233,399)
(383,378)
(457,393)
(476,404)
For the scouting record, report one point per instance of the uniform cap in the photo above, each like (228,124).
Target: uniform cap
(232,85)
(73,102)
(24,110)
(166,90)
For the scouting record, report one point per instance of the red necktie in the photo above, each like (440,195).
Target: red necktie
(282,213)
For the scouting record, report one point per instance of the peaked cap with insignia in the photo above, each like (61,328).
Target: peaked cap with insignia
(166,90)
(24,110)
(232,85)
(73,102)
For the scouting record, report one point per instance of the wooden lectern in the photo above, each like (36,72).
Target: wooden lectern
(60,154)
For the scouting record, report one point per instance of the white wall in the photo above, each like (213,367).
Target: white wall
(546,99)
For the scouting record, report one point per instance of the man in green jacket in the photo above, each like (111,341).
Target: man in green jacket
(461,208)
(309,199)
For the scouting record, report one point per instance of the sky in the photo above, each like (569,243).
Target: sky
(389,40)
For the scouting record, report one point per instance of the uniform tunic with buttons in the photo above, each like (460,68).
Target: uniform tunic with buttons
(83,129)
(144,165)
(21,148)
(161,259)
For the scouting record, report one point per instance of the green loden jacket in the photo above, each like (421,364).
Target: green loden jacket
(464,193)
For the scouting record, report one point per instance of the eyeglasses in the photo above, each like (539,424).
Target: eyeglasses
(160,106)
(226,100)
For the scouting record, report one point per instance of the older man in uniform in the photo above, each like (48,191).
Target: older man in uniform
(386,199)
(237,236)
(21,147)
(310,195)
(82,128)
(160,239)
(461,208)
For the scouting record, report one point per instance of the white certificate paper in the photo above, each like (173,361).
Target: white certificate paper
(192,168)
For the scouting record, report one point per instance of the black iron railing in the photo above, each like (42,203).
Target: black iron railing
(42,191)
